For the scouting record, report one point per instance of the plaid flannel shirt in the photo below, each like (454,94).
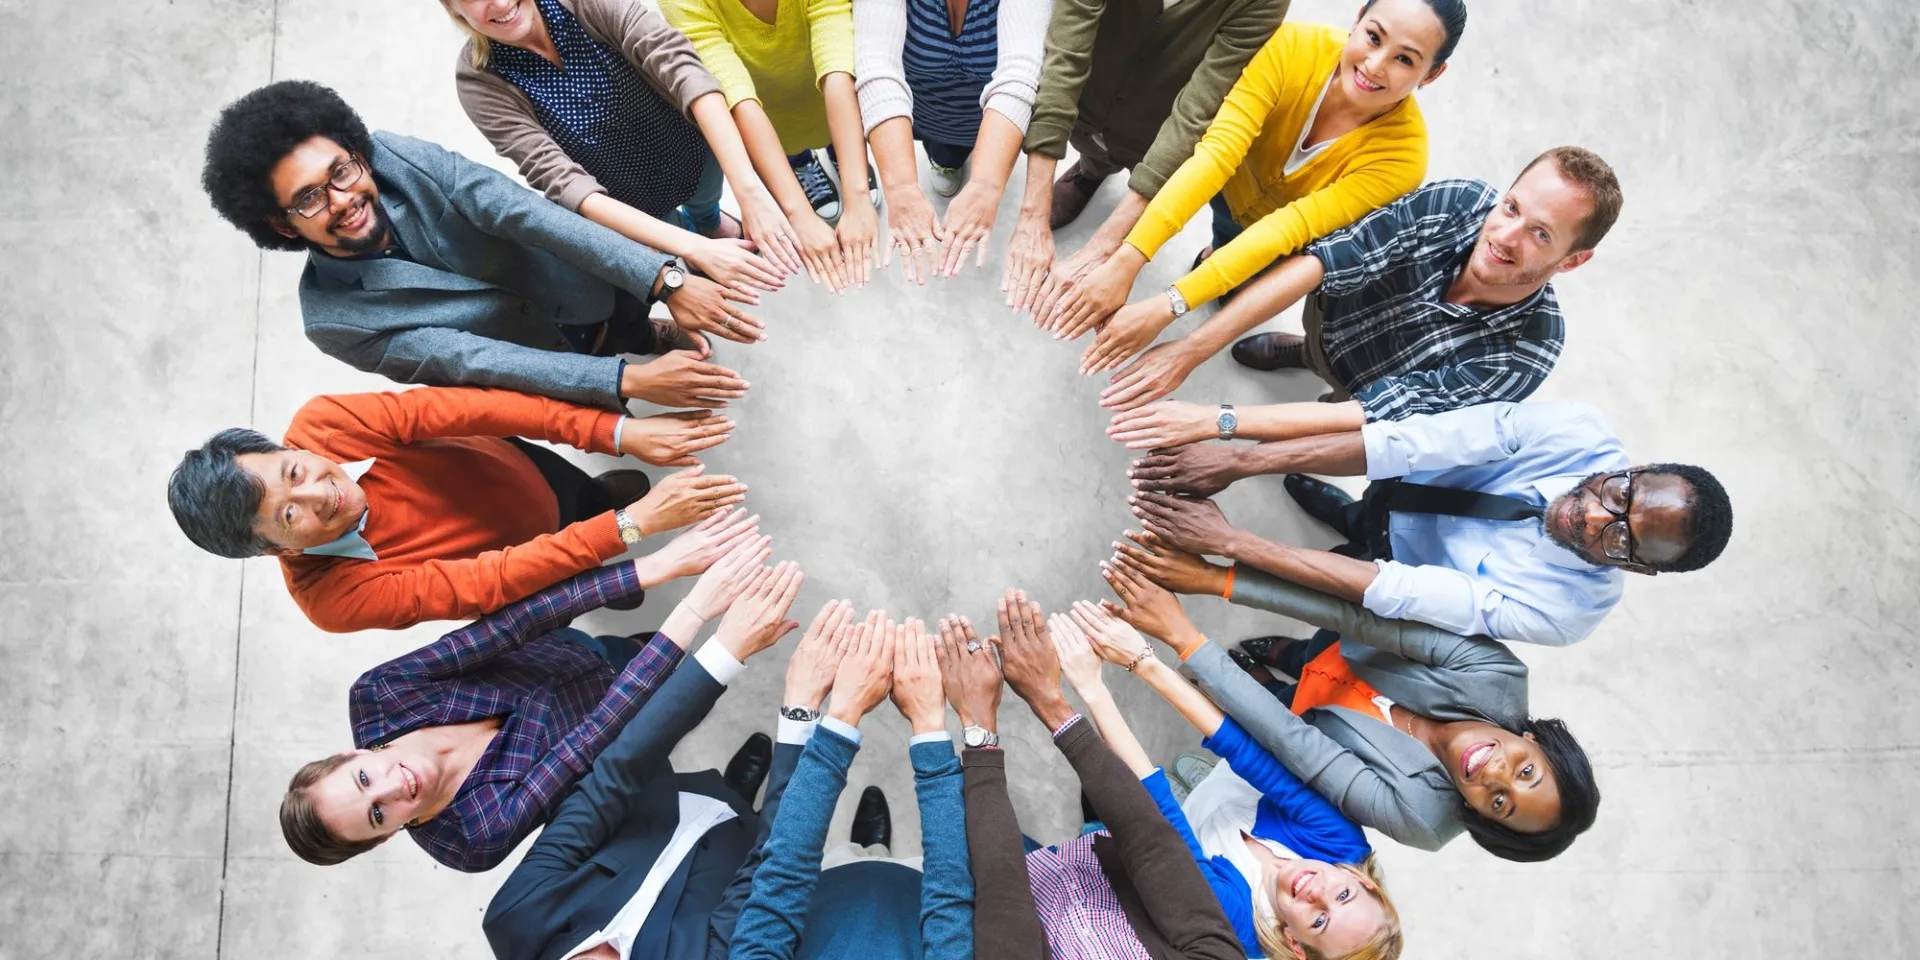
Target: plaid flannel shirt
(559,703)
(1390,336)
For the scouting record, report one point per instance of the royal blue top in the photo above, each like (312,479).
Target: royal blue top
(606,116)
(946,72)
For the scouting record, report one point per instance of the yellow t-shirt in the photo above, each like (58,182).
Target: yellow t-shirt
(1244,155)
(780,64)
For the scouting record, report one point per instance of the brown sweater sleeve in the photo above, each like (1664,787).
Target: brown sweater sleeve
(1176,896)
(1006,925)
(662,54)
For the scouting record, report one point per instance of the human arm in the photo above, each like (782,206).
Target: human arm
(1006,924)
(1165,424)
(1407,639)
(1307,814)
(830,38)
(443,356)
(681,378)
(1204,469)
(761,219)
(1030,250)
(1080,664)
(773,920)
(946,890)
(1157,612)
(1198,526)
(886,110)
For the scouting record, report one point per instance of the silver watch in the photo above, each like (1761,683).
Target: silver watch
(979,737)
(629,529)
(1178,302)
(801,714)
(1228,421)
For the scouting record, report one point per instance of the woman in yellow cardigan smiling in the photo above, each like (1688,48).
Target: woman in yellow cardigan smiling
(1321,130)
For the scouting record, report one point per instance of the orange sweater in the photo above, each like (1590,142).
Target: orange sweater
(463,524)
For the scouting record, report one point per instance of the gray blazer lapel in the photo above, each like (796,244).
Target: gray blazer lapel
(1379,743)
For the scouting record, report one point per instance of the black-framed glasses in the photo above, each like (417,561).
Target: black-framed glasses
(312,200)
(1616,495)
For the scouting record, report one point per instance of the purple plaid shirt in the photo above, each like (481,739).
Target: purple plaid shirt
(1077,906)
(558,702)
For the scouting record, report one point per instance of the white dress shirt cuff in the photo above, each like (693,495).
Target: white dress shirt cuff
(619,427)
(847,730)
(719,662)
(796,732)
(937,736)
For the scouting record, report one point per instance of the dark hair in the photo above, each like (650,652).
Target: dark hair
(1585,169)
(214,500)
(256,132)
(1579,800)
(1453,19)
(1709,516)
(300,820)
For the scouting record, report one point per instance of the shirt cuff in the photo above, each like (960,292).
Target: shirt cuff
(796,732)
(1385,459)
(619,427)
(719,662)
(847,730)
(938,736)
(1066,726)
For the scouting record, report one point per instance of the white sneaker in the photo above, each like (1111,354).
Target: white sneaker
(947,181)
(1191,769)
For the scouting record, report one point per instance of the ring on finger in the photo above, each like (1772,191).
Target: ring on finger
(973,646)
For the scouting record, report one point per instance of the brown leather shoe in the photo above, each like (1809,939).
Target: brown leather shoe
(624,486)
(1070,195)
(1272,351)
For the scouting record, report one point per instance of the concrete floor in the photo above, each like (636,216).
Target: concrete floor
(1757,726)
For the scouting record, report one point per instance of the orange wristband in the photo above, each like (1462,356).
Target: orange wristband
(1228,593)
(1190,648)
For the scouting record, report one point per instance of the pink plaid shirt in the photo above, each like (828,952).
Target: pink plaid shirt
(1078,908)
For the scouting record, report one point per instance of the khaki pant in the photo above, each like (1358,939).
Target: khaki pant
(1314,354)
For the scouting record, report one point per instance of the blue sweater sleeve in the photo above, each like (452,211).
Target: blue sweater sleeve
(946,887)
(1290,811)
(1162,794)
(775,916)
(1232,890)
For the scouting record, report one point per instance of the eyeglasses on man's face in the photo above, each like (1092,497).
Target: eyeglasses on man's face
(1616,495)
(312,200)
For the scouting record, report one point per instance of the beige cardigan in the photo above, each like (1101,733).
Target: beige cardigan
(506,118)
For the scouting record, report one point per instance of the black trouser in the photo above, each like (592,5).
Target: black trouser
(1294,657)
(580,496)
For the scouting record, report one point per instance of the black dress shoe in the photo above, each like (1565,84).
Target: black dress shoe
(872,822)
(1271,351)
(748,768)
(1279,653)
(623,487)
(1322,501)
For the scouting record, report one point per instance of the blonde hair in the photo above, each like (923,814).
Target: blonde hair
(1385,945)
(478,46)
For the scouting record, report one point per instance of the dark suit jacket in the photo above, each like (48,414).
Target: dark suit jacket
(607,834)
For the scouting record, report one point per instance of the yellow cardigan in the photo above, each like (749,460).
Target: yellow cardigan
(781,65)
(1244,154)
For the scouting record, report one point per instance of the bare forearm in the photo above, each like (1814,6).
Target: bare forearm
(849,142)
(1290,421)
(1183,696)
(1113,729)
(1329,573)
(638,226)
(723,138)
(769,158)
(1113,230)
(1261,300)
(1036,198)
(994,152)
(892,142)
(1327,454)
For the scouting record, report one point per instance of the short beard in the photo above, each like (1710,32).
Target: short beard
(1571,541)
(375,238)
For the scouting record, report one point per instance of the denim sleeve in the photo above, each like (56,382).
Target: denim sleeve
(946,887)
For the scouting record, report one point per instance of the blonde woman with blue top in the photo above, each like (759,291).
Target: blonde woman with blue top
(960,76)
(607,110)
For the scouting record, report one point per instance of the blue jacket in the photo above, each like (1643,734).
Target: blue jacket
(1290,813)
(860,911)
(494,271)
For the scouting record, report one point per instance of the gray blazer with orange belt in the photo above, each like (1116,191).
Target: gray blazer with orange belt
(492,272)
(1378,776)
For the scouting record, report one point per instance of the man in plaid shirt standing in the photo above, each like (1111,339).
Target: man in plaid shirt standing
(1439,300)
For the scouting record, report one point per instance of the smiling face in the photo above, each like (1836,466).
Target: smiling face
(373,794)
(1656,514)
(306,499)
(1390,53)
(1529,235)
(511,22)
(1503,776)
(1325,907)
(351,222)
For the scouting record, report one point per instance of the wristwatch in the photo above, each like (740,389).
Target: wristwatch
(672,277)
(629,530)
(801,714)
(1178,302)
(979,737)
(1228,422)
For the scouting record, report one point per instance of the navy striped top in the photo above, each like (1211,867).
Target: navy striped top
(947,73)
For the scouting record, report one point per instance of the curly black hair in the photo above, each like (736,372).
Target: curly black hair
(1709,516)
(256,132)
(1579,800)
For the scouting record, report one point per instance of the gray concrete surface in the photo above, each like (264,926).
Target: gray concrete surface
(1755,725)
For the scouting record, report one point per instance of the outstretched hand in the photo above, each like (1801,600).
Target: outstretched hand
(1149,608)
(916,679)
(758,619)
(716,589)
(970,671)
(817,657)
(1027,657)
(866,670)
(1079,662)
(1196,526)
(1178,571)
(1196,470)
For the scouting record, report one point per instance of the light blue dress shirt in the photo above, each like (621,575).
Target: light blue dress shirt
(1502,578)
(351,544)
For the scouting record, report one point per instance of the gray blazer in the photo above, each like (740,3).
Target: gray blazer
(495,269)
(1377,775)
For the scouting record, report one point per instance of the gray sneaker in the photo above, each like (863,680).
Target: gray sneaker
(1191,769)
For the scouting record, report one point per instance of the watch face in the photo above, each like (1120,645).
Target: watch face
(674,278)
(629,535)
(1228,421)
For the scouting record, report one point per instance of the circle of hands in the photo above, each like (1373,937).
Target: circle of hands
(859,663)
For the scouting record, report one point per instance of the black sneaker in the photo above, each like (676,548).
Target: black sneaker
(819,188)
(748,768)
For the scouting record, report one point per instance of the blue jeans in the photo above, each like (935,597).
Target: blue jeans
(701,212)
(1225,228)
(947,154)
